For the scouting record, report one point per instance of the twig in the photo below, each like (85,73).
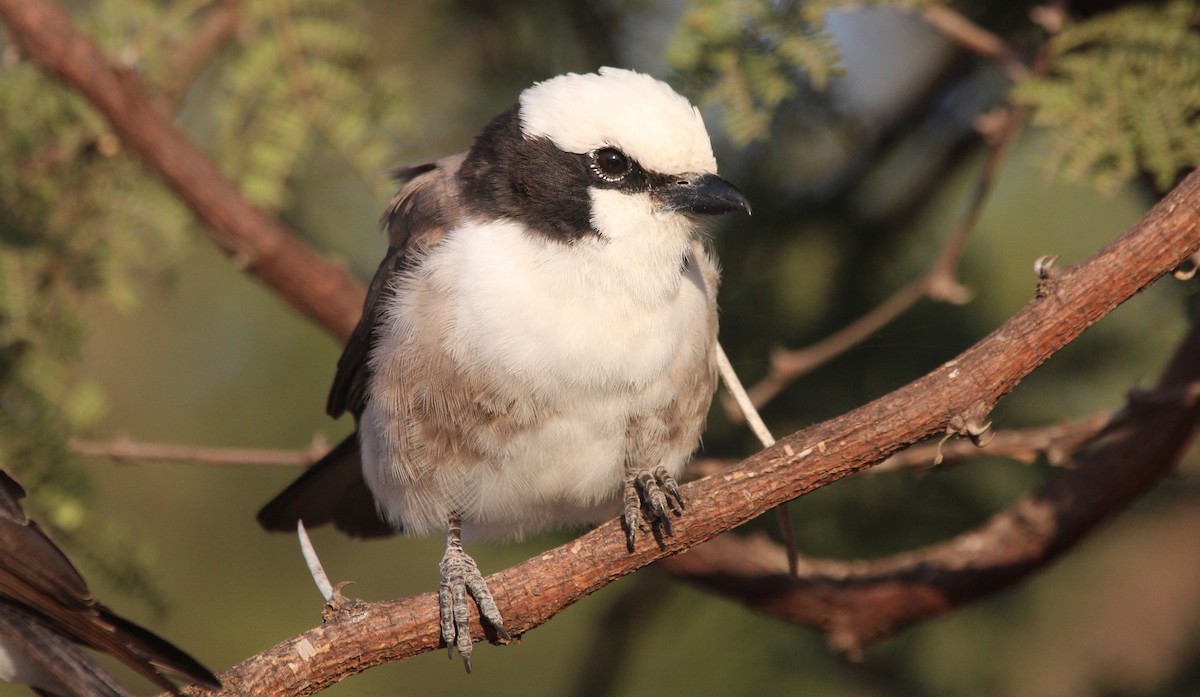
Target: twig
(1057,443)
(976,39)
(1053,441)
(315,568)
(733,383)
(126,449)
(939,283)
(218,27)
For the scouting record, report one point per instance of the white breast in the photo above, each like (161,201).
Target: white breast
(584,332)
(584,316)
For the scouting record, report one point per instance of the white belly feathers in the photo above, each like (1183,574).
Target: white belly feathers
(563,343)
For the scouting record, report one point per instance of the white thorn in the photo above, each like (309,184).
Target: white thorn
(314,564)
(734,385)
(1043,264)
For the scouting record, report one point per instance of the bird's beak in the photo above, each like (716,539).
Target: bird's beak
(705,194)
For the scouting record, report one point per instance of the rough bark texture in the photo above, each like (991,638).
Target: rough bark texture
(883,596)
(855,603)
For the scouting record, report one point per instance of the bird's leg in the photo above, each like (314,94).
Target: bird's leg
(460,576)
(657,492)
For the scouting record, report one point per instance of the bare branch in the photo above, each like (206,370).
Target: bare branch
(315,567)
(734,385)
(857,603)
(126,449)
(939,283)
(315,287)
(956,396)
(218,27)
(1057,443)
(975,38)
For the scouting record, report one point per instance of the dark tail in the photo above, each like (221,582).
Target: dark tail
(331,491)
(157,656)
(47,611)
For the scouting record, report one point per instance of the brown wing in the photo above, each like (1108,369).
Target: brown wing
(426,206)
(333,489)
(37,578)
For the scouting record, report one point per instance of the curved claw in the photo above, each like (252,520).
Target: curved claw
(460,578)
(667,482)
(657,493)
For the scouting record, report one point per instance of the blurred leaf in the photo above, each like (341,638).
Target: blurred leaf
(750,56)
(301,79)
(1122,96)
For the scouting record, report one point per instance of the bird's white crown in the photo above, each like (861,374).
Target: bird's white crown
(632,112)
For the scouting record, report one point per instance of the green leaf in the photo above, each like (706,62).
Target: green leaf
(1122,96)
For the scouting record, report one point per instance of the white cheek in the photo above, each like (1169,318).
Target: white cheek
(618,215)
(625,217)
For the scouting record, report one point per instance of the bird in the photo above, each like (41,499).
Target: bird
(48,616)
(537,348)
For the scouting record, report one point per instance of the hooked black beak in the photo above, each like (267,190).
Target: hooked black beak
(705,194)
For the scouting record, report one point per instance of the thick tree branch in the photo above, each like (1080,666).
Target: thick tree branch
(314,286)
(857,603)
(953,398)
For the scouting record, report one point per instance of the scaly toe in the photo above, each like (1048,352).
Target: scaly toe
(460,579)
(650,497)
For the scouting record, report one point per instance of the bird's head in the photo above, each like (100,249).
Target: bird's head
(598,154)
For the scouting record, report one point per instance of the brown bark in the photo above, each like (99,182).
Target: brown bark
(956,397)
(857,603)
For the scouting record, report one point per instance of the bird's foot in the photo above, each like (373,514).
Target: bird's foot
(657,493)
(460,576)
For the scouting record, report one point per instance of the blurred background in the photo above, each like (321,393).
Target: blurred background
(858,134)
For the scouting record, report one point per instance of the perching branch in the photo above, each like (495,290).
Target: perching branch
(956,397)
(858,603)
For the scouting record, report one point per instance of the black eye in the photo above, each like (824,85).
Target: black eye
(611,164)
